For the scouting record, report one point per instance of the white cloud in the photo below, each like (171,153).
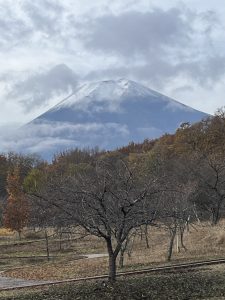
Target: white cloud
(167,45)
(49,137)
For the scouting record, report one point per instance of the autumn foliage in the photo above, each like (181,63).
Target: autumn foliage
(17,208)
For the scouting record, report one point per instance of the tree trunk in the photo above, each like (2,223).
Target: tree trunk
(182,238)
(112,268)
(121,261)
(123,249)
(146,236)
(131,244)
(178,247)
(216,212)
(215,216)
(19,233)
(47,245)
(196,215)
(112,262)
(60,240)
(170,250)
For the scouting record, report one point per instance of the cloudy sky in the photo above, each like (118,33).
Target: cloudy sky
(48,47)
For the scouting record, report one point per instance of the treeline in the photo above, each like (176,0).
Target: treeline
(169,182)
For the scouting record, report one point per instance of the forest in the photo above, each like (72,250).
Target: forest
(172,182)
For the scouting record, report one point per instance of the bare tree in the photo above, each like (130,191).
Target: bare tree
(177,187)
(112,201)
(209,170)
(107,200)
(203,146)
(176,213)
(43,216)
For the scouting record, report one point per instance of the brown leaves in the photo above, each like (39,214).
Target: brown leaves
(17,208)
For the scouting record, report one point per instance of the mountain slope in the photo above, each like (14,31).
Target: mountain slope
(107,114)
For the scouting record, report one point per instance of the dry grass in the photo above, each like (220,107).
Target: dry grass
(202,241)
(62,270)
(6,232)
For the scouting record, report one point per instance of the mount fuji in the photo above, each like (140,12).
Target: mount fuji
(107,114)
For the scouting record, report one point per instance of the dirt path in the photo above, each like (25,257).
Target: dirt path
(89,256)
(6,282)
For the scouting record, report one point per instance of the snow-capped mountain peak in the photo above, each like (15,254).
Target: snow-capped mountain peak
(107,114)
(103,91)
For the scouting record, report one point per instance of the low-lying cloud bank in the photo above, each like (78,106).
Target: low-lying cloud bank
(50,137)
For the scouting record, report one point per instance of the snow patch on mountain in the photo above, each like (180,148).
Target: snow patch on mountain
(109,95)
(105,90)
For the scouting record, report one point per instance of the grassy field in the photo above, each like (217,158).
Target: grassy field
(202,242)
(204,283)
